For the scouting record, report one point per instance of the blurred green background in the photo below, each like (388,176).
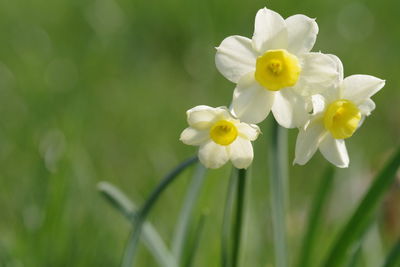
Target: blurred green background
(94,90)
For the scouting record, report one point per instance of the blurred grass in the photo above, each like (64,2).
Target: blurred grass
(97,90)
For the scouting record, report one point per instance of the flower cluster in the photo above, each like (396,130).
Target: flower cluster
(276,71)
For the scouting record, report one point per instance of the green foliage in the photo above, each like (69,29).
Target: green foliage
(94,90)
(393,258)
(315,217)
(360,219)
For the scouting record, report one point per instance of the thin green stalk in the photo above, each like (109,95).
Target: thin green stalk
(360,219)
(117,199)
(169,178)
(131,248)
(315,217)
(278,190)
(355,259)
(193,246)
(237,232)
(393,259)
(151,237)
(372,244)
(226,222)
(181,229)
(156,245)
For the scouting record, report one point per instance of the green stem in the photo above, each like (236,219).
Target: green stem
(226,222)
(151,237)
(356,257)
(393,259)
(118,199)
(131,248)
(185,218)
(278,190)
(195,243)
(315,218)
(361,218)
(169,178)
(241,190)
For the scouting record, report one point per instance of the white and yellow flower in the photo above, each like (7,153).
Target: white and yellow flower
(275,69)
(337,114)
(221,137)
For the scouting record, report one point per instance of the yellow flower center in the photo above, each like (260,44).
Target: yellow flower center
(341,118)
(277,69)
(223,132)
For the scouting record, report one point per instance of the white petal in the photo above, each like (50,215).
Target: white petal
(339,65)
(248,131)
(302,33)
(193,137)
(358,88)
(308,141)
(290,109)
(319,104)
(318,73)
(269,31)
(235,57)
(251,102)
(212,155)
(367,107)
(241,153)
(334,150)
(202,117)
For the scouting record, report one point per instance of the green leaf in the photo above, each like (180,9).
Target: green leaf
(151,237)
(393,259)
(226,258)
(355,259)
(182,227)
(117,199)
(240,204)
(315,217)
(278,178)
(233,219)
(194,244)
(360,219)
(156,245)
(133,240)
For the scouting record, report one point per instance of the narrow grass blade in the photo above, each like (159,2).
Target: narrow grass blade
(240,202)
(117,199)
(373,251)
(355,259)
(232,227)
(360,250)
(194,244)
(165,182)
(358,222)
(151,237)
(131,248)
(278,191)
(157,247)
(314,221)
(393,259)
(226,222)
(182,227)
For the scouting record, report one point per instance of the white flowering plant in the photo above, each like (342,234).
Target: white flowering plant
(274,71)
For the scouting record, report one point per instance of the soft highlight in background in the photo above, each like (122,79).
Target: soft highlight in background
(97,90)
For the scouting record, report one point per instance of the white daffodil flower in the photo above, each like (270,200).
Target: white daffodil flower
(221,137)
(275,69)
(337,114)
